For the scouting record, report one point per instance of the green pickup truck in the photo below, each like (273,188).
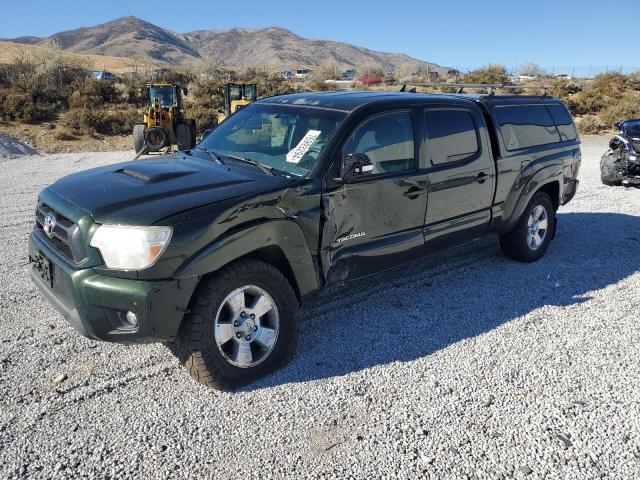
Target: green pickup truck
(214,250)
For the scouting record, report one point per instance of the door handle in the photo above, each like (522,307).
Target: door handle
(482,177)
(414,192)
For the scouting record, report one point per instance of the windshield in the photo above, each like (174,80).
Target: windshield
(165,94)
(288,139)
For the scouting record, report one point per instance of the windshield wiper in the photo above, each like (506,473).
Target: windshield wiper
(265,168)
(212,154)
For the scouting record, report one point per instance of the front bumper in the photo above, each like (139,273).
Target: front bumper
(95,304)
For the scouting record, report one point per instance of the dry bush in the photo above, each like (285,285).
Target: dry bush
(269,84)
(492,73)
(92,93)
(590,124)
(88,121)
(63,134)
(626,107)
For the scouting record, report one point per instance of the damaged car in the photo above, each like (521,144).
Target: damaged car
(620,165)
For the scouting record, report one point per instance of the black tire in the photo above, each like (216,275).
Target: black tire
(138,137)
(183,137)
(608,170)
(514,244)
(156,138)
(196,344)
(193,130)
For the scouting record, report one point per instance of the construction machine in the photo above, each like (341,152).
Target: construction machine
(164,123)
(236,96)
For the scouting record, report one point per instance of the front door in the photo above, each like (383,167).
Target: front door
(461,177)
(376,221)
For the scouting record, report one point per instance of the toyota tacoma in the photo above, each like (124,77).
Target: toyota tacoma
(214,250)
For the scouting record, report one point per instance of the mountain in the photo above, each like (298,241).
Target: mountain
(237,47)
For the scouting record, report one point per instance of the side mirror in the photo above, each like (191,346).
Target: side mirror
(355,165)
(185,91)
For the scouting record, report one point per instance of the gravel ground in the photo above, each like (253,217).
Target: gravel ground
(466,366)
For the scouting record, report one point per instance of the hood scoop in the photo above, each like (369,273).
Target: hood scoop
(154,173)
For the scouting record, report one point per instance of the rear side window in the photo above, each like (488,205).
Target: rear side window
(525,126)
(452,136)
(387,140)
(563,121)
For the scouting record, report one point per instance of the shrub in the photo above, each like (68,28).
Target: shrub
(269,84)
(627,106)
(92,93)
(205,117)
(492,73)
(590,124)
(64,135)
(89,121)
(24,107)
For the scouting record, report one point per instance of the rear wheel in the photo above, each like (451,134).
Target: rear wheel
(138,137)
(183,137)
(529,240)
(243,324)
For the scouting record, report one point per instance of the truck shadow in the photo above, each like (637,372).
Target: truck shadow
(412,311)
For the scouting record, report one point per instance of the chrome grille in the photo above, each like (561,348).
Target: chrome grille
(64,234)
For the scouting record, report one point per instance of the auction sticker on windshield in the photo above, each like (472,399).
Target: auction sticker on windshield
(296,154)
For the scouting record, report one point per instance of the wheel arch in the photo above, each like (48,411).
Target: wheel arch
(280,243)
(547,180)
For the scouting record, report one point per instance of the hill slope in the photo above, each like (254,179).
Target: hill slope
(237,47)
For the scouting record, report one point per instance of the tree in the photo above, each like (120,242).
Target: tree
(531,69)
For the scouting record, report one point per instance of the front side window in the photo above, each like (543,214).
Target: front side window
(525,126)
(288,139)
(452,136)
(388,142)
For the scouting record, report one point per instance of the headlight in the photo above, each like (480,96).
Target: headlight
(130,248)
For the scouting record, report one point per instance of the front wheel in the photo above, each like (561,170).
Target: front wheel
(242,325)
(529,240)
(183,137)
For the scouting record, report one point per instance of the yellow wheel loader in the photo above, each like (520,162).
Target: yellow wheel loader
(236,96)
(164,123)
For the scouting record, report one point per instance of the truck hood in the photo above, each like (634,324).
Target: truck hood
(143,192)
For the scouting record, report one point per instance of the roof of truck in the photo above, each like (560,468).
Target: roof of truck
(348,101)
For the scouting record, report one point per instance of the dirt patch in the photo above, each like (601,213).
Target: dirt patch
(42,137)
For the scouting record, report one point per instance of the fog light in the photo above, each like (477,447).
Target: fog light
(132,318)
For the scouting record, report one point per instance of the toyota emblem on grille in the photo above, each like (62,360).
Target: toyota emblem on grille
(49,225)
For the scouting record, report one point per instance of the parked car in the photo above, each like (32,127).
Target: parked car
(214,250)
(303,73)
(620,165)
(348,74)
(103,75)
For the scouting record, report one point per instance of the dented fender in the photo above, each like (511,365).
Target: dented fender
(283,234)
(527,184)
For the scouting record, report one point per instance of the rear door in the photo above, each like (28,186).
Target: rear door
(376,222)
(461,177)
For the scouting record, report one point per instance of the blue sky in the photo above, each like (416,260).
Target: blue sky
(462,33)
